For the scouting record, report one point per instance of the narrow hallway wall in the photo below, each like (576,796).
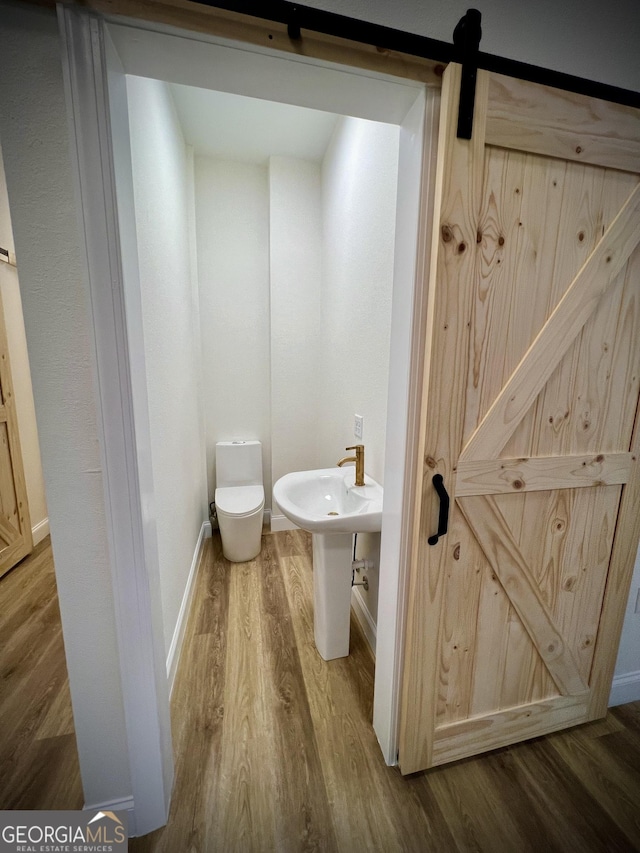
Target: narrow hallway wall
(161,178)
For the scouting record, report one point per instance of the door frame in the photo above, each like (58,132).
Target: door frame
(91,70)
(130,521)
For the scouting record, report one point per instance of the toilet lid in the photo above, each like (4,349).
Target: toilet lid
(239,500)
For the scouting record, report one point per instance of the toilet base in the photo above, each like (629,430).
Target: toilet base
(241,537)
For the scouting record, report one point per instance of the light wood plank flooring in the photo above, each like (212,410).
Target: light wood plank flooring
(274,747)
(275,750)
(38,756)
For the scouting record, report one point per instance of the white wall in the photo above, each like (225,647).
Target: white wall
(359,178)
(21,375)
(54,287)
(359,186)
(232,227)
(295,239)
(170,313)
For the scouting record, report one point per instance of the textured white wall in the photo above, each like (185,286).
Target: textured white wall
(359,182)
(295,239)
(359,187)
(595,40)
(171,335)
(21,375)
(232,227)
(54,286)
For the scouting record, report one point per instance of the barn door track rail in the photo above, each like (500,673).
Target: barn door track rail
(466,40)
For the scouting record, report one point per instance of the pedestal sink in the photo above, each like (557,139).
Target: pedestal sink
(328,504)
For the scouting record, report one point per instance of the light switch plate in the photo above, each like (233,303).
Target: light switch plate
(357,427)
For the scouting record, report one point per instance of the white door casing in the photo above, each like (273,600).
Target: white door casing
(121,423)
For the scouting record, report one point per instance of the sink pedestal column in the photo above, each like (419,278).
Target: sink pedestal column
(332,555)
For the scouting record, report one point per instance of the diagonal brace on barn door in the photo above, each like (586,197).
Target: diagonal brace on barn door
(558,333)
(8,532)
(510,567)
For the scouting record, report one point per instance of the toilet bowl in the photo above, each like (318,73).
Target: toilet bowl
(239,498)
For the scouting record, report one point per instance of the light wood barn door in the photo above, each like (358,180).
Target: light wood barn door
(15,525)
(529,414)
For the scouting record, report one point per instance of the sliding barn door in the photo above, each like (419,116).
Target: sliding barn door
(529,415)
(15,526)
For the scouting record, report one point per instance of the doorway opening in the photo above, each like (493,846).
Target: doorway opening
(265,253)
(307,314)
(97,53)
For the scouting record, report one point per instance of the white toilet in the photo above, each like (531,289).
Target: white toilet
(239,498)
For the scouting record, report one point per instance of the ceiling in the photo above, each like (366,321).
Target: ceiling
(234,127)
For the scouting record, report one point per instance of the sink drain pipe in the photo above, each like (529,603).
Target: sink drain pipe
(356,565)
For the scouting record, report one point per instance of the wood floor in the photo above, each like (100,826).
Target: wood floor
(275,750)
(274,747)
(38,756)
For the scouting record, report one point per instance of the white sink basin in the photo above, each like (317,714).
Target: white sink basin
(329,504)
(327,501)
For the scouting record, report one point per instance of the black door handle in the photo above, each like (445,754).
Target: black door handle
(443,517)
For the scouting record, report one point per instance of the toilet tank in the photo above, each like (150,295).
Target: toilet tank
(238,463)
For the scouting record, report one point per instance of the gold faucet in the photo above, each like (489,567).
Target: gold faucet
(358,459)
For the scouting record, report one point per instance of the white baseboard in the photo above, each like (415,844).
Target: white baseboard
(625,688)
(281,522)
(178,635)
(364,617)
(40,531)
(124,805)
